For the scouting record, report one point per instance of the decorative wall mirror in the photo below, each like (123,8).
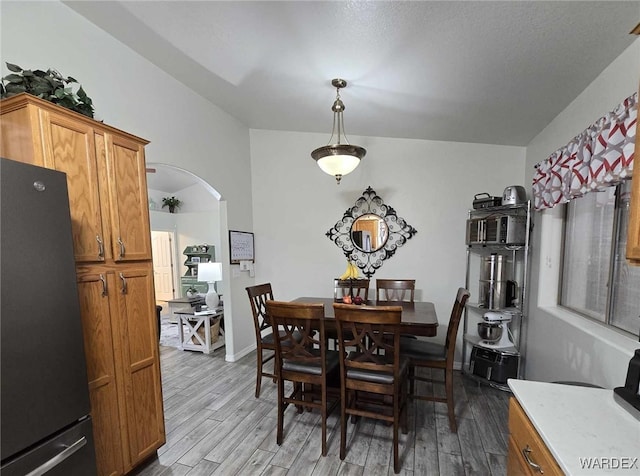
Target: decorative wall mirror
(370,232)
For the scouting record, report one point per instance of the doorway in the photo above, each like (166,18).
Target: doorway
(163,251)
(200,220)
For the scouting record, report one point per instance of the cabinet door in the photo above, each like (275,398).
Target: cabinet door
(96,309)
(20,133)
(140,362)
(131,236)
(516,465)
(70,148)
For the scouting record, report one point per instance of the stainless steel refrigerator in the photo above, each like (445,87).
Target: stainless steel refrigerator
(45,426)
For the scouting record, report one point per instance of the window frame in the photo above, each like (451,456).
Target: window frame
(614,250)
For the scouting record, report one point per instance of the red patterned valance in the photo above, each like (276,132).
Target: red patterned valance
(599,157)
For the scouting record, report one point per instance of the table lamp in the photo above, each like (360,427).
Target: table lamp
(210,273)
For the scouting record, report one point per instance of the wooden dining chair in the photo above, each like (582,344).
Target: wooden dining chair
(342,287)
(258,296)
(373,375)
(394,290)
(302,358)
(437,356)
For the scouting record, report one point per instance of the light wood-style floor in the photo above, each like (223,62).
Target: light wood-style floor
(216,426)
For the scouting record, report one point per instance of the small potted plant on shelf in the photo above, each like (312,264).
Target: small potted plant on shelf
(172,202)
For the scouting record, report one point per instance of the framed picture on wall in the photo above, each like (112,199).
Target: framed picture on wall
(241,246)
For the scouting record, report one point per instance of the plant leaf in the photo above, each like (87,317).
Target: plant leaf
(13,67)
(15,88)
(71,80)
(38,89)
(14,78)
(67,102)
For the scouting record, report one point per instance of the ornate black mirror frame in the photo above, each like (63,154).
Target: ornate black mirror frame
(399,231)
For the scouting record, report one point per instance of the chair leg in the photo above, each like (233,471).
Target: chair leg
(259,372)
(448,385)
(411,377)
(297,391)
(324,420)
(343,424)
(280,412)
(404,401)
(396,415)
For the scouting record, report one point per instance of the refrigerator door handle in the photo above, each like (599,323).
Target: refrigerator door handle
(59,458)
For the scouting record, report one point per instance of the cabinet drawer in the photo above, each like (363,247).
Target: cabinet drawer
(525,439)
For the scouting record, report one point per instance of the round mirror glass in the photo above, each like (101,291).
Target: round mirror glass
(369,233)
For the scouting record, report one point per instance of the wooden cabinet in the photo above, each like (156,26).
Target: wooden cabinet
(130,234)
(97,308)
(105,173)
(528,454)
(140,370)
(106,179)
(633,233)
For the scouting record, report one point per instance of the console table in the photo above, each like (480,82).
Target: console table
(189,324)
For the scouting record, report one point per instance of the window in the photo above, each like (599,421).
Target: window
(596,279)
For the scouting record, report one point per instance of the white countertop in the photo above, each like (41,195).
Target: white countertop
(581,423)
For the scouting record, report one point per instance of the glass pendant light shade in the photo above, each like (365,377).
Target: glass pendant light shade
(338,159)
(341,158)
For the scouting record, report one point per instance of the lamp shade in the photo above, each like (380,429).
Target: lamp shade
(338,159)
(210,272)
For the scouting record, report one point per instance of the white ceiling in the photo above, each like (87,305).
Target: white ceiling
(487,72)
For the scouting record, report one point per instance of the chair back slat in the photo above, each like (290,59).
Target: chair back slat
(394,290)
(359,287)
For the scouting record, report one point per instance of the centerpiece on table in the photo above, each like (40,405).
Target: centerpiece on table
(352,272)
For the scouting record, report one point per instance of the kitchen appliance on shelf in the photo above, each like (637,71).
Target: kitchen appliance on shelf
(514,195)
(484,200)
(496,230)
(494,365)
(45,422)
(494,331)
(495,291)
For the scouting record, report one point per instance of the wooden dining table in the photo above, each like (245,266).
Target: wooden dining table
(418,318)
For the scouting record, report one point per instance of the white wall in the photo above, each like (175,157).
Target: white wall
(132,94)
(560,344)
(429,184)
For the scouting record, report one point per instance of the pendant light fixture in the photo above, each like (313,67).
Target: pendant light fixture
(338,158)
